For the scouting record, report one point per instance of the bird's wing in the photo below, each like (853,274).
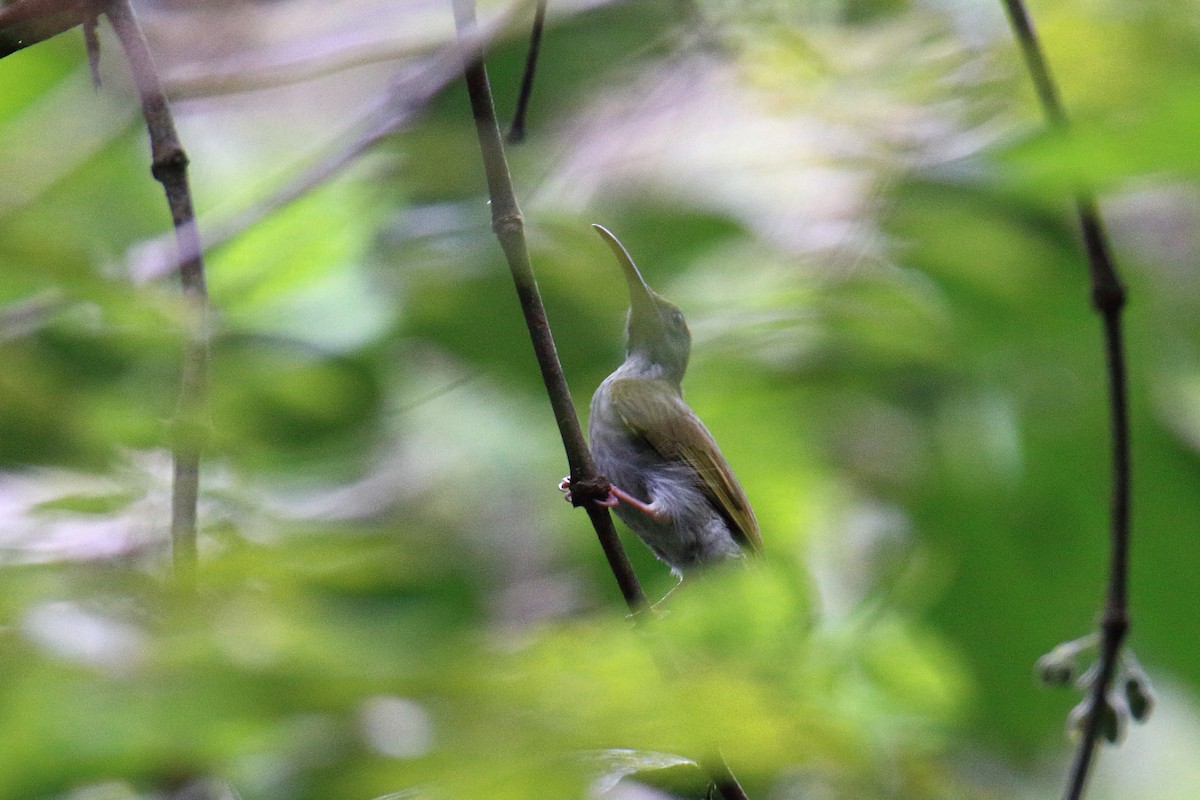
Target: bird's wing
(658,415)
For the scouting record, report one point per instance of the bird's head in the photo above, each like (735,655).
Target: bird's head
(657,333)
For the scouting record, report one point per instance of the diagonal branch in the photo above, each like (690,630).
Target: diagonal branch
(1108,298)
(516,131)
(169,167)
(586,483)
(28,22)
(388,114)
(509,226)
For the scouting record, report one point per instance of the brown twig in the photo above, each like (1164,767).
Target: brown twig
(91,42)
(508,223)
(1108,298)
(509,227)
(169,167)
(31,21)
(516,131)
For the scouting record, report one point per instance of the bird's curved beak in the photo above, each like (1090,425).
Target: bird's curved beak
(641,296)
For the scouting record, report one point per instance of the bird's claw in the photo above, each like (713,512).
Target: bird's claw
(610,500)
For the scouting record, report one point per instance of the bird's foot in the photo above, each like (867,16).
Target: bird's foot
(615,497)
(622,496)
(612,501)
(609,500)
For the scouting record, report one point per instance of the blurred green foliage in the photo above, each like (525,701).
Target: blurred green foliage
(857,208)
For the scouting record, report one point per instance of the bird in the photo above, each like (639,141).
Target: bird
(670,484)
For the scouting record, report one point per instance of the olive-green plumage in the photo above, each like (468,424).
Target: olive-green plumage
(680,496)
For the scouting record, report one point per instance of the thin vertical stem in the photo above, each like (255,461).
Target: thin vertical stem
(586,484)
(509,226)
(1108,298)
(516,131)
(169,167)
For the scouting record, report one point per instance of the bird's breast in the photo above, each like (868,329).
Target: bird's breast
(620,453)
(693,532)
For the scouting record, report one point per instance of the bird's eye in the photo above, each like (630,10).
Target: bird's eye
(677,318)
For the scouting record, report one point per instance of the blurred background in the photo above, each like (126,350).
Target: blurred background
(857,207)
